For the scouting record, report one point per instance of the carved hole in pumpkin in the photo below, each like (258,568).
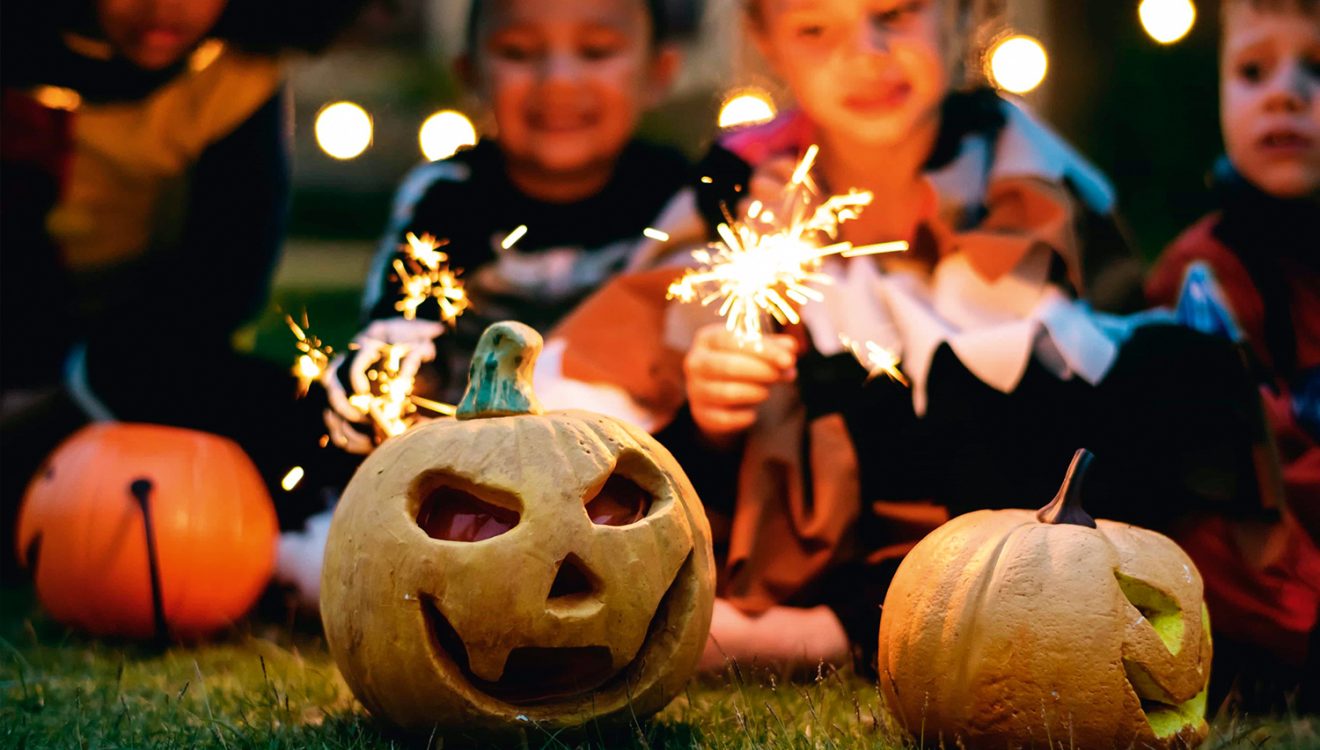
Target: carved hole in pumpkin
(534,675)
(1159,609)
(619,502)
(572,580)
(1166,718)
(453,514)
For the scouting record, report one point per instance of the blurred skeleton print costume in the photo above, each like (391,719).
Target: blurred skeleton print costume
(1012,370)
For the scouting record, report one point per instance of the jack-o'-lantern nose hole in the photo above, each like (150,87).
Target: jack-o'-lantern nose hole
(572,580)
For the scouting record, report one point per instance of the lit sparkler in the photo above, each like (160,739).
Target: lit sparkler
(769,263)
(875,358)
(389,400)
(314,357)
(425,274)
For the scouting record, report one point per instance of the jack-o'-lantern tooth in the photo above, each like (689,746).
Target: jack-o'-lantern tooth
(487,661)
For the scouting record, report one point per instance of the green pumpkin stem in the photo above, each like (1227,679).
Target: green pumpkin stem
(1066,507)
(500,377)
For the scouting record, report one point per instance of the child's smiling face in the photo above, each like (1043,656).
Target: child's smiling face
(876,69)
(567,80)
(155,34)
(1270,97)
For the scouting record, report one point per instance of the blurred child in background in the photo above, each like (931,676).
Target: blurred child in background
(1263,576)
(566,83)
(145,183)
(825,478)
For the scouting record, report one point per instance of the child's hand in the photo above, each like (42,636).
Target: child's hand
(419,338)
(768,181)
(728,381)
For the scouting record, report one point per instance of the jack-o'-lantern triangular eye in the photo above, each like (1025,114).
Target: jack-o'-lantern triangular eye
(618,503)
(455,515)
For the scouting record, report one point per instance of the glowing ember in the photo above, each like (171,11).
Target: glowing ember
(514,236)
(292,478)
(426,275)
(766,264)
(875,358)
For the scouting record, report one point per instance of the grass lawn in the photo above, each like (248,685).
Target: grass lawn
(273,686)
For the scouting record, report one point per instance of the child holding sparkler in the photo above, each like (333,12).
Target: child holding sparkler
(538,217)
(1008,372)
(1262,576)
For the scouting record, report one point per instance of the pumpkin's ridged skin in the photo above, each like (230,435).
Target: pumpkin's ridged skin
(214,526)
(1001,632)
(379,564)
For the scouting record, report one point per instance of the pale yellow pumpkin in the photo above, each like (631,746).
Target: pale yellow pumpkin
(1012,628)
(511,567)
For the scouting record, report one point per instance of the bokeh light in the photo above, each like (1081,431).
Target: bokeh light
(746,107)
(1167,21)
(1018,64)
(343,130)
(444,133)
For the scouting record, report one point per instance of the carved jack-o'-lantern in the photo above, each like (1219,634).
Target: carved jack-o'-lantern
(1009,628)
(140,530)
(513,565)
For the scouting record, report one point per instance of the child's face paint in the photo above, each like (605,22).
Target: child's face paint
(567,80)
(155,34)
(1270,98)
(874,69)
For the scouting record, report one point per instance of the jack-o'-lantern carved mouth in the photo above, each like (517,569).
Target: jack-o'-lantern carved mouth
(1166,718)
(536,675)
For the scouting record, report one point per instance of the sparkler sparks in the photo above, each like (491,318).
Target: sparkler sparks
(769,263)
(425,274)
(875,358)
(389,400)
(314,357)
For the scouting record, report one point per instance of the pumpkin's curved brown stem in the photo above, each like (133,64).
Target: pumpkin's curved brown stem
(500,377)
(1066,507)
